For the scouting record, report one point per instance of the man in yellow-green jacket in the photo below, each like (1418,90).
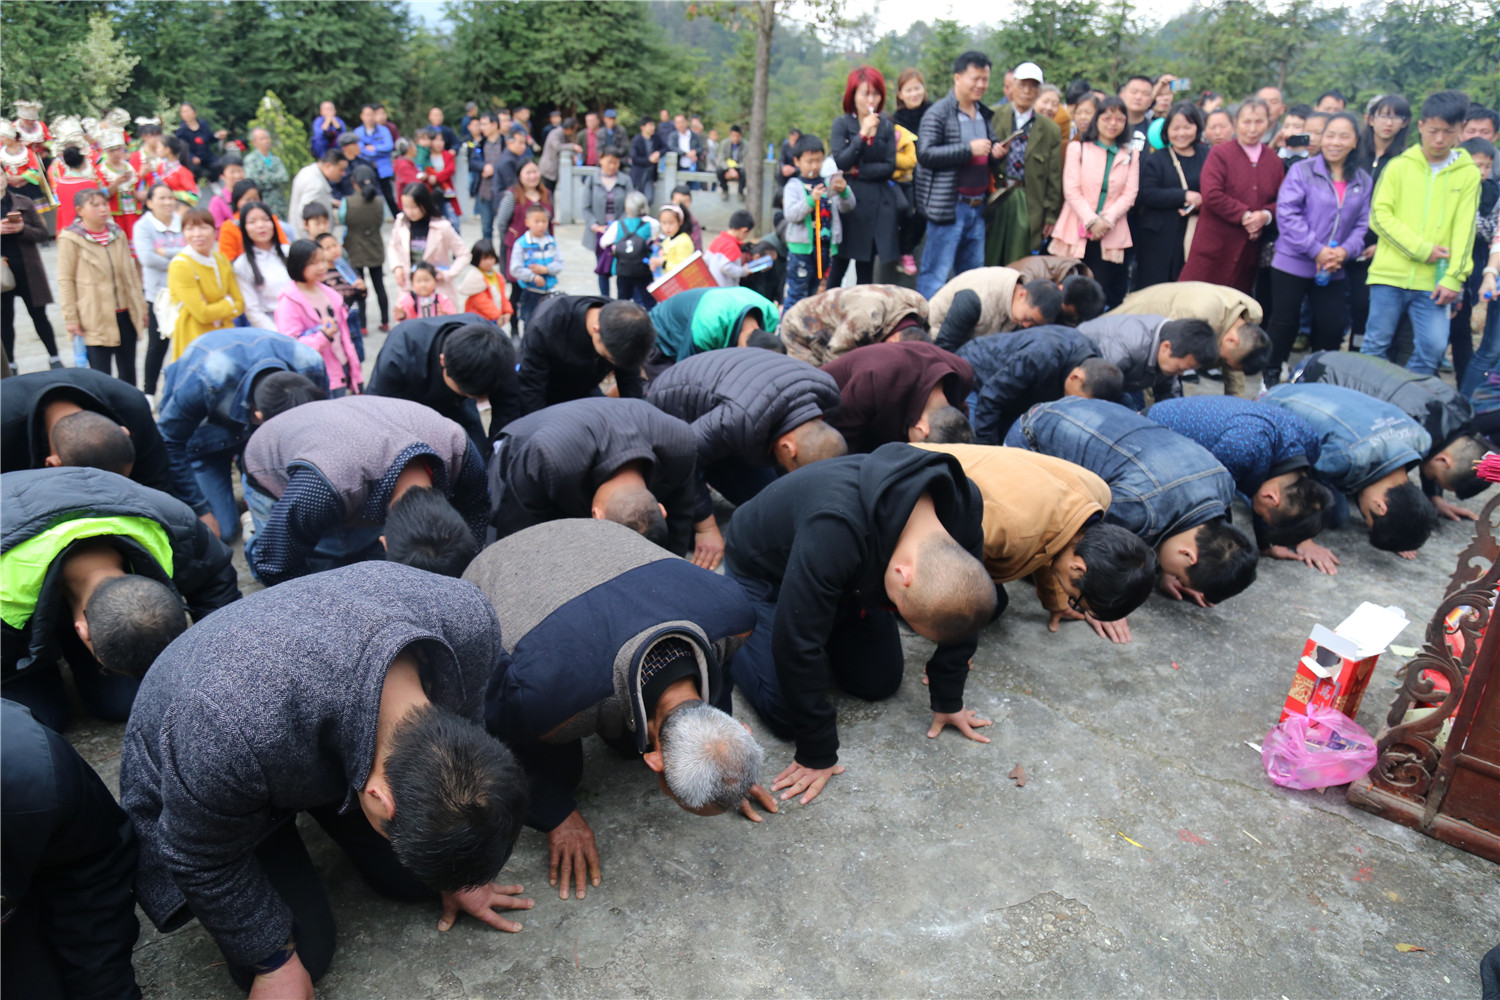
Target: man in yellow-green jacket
(1423,212)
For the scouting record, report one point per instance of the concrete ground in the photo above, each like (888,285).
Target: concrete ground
(924,870)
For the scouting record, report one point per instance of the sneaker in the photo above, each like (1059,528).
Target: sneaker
(247,526)
(385,328)
(52,362)
(907,264)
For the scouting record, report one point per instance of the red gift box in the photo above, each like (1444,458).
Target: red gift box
(692,273)
(1336,664)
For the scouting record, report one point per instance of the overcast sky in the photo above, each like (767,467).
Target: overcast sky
(896,15)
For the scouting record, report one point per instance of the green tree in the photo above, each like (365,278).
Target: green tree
(39,57)
(947,42)
(289,136)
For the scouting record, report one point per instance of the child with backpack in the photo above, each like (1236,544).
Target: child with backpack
(423,299)
(633,237)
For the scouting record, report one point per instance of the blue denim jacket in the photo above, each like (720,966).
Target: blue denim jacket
(1363,438)
(205,397)
(1160,483)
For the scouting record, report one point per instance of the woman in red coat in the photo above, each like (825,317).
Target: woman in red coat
(1239,185)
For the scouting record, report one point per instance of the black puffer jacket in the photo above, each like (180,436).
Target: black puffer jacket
(37,500)
(23,432)
(69,860)
(410,367)
(550,463)
(740,402)
(1015,371)
(1427,399)
(941,150)
(824,535)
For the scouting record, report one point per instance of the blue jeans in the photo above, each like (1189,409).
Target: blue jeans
(1487,357)
(213,473)
(957,247)
(486,219)
(801,278)
(1429,322)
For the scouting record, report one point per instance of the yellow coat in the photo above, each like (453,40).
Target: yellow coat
(906,156)
(1034,505)
(209,296)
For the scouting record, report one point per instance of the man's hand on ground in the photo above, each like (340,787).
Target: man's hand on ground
(759,794)
(480,903)
(1453,511)
(574,853)
(290,982)
(1318,557)
(1115,631)
(965,720)
(797,779)
(708,544)
(1177,592)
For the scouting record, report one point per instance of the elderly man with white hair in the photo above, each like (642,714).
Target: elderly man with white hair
(610,635)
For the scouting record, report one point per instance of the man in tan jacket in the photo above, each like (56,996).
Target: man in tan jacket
(989,300)
(99,286)
(1244,348)
(1043,518)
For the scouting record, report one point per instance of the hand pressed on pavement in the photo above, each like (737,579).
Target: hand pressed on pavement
(759,794)
(1452,511)
(290,982)
(797,779)
(1175,590)
(965,720)
(480,903)
(573,854)
(1116,631)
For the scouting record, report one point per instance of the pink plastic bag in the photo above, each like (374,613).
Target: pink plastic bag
(1317,750)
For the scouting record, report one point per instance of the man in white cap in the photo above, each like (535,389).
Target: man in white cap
(1024,208)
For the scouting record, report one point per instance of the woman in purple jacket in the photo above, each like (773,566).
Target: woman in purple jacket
(1323,211)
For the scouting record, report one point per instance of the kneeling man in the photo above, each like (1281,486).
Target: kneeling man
(609,635)
(355,696)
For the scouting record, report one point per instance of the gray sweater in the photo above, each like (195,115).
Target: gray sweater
(269,707)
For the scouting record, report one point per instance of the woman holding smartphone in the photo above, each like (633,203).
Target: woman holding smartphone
(863,143)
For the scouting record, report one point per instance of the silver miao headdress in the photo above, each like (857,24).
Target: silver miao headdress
(144,120)
(118,118)
(112,138)
(7,129)
(67,131)
(91,128)
(28,110)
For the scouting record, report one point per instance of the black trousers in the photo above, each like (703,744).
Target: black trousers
(1330,313)
(289,868)
(121,359)
(156,351)
(388,189)
(40,687)
(38,316)
(864,271)
(374,281)
(864,652)
(1113,278)
(1359,298)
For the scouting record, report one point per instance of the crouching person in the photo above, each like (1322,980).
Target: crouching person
(99,571)
(339,481)
(1044,519)
(1168,490)
(69,868)
(1270,452)
(608,635)
(1367,449)
(829,555)
(372,727)
(897,391)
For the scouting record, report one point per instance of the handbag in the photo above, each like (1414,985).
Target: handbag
(7,276)
(1192,219)
(166,310)
(604,264)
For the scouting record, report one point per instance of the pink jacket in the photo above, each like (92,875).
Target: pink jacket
(1083,172)
(296,317)
(445,251)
